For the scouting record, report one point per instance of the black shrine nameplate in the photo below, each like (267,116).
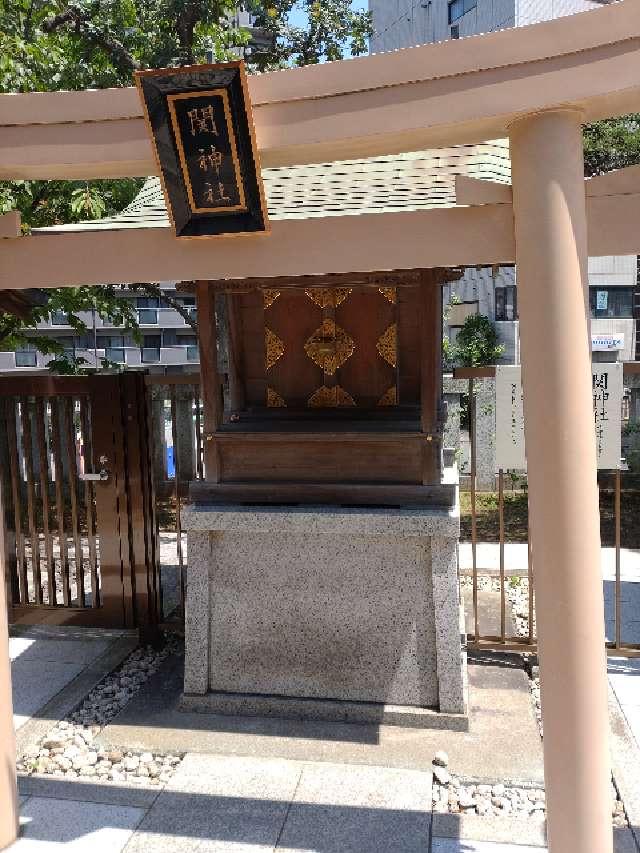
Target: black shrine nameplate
(202,130)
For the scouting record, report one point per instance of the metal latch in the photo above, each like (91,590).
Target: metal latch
(101,476)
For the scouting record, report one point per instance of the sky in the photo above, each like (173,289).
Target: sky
(297,17)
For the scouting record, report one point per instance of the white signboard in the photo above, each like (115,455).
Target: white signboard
(509,419)
(605,343)
(607,414)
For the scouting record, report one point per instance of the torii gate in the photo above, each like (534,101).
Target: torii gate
(536,85)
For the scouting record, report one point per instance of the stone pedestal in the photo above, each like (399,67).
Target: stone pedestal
(324,612)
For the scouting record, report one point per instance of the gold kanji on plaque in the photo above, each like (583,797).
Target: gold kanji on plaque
(274,400)
(390,294)
(274,348)
(387,345)
(328,297)
(270,295)
(330,398)
(330,347)
(389,398)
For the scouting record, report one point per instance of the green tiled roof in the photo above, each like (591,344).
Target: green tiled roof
(401,182)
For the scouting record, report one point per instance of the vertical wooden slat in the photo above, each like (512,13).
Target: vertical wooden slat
(43,464)
(236,372)
(140,500)
(431,376)
(209,379)
(115,563)
(198,433)
(27,449)
(178,502)
(56,442)
(89,462)
(16,496)
(72,467)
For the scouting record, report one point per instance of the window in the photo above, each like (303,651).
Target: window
(26,356)
(151,349)
(458,8)
(147,310)
(189,303)
(506,303)
(610,302)
(190,342)
(59,318)
(114,347)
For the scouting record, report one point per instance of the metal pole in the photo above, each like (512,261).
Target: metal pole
(8,784)
(474,527)
(551,258)
(618,590)
(503,602)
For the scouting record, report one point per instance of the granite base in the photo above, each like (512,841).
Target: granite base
(318,605)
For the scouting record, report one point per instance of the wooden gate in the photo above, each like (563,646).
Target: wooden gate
(79,510)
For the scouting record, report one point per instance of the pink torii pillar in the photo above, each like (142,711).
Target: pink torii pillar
(551,256)
(9,818)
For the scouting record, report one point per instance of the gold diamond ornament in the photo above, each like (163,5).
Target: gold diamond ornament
(328,297)
(330,347)
(389,398)
(330,398)
(269,295)
(274,400)
(274,348)
(387,345)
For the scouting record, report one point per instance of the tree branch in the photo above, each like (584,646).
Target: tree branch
(81,23)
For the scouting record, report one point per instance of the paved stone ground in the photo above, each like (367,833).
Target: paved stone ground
(235,804)
(44,660)
(503,741)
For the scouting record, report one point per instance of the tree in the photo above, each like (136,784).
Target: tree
(477,343)
(611,144)
(47,45)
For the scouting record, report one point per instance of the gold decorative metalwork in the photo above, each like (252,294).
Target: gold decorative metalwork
(389,398)
(330,398)
(328,297)
(274,348)
(390,294)
(274,400)
(387,345)
(270,295)
(330,347)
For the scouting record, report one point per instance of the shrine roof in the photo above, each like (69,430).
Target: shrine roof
(399,182)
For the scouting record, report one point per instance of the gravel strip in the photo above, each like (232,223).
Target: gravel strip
(452,795)
(69,750)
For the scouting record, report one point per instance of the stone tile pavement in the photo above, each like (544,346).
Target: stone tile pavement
(48,662)
(233,804)
(624,677)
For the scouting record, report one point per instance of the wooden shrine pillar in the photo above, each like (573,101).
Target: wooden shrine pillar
(209,378)
(431,376)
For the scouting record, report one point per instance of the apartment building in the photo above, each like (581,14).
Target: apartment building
(614,297)
(168,343)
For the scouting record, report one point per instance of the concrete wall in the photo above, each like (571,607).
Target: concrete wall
(401,24)
(534,11)
(428,21)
